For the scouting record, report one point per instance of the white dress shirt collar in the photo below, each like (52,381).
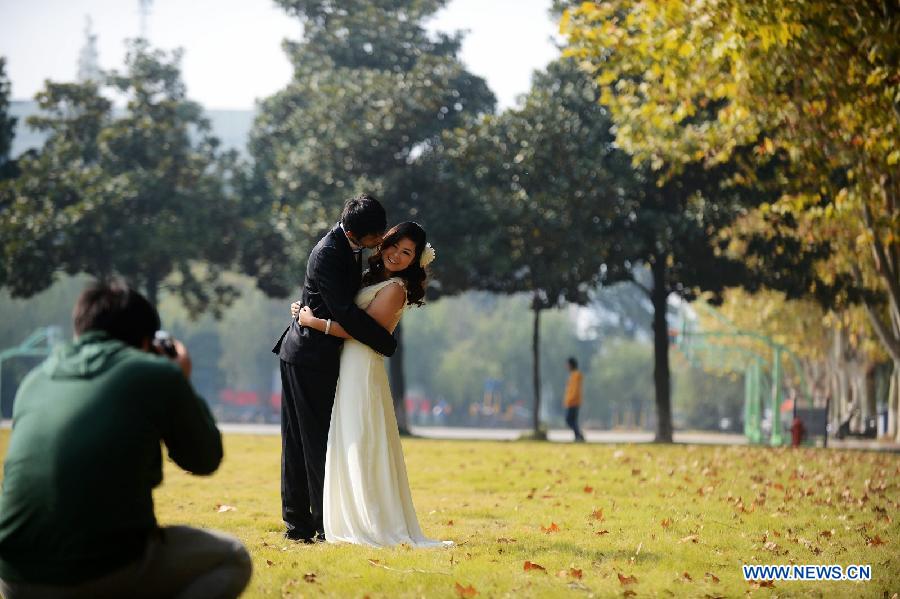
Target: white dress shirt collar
(353,246)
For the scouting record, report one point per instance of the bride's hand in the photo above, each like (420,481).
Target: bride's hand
(306,316)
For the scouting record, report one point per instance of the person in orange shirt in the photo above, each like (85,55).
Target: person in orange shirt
(572,400)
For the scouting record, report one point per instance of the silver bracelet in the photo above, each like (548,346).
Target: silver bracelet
(327,326)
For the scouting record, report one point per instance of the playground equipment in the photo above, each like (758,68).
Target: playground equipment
(38,345)
(695,343)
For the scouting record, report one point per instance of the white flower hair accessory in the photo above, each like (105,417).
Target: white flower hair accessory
(427,256)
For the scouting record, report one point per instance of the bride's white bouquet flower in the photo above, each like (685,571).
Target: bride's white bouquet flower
(427,256)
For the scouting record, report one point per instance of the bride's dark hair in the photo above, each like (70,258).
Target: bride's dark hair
(414,274)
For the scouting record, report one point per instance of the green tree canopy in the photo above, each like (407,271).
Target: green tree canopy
(371,93)
(141,195)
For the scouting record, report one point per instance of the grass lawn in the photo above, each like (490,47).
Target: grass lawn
(599,520)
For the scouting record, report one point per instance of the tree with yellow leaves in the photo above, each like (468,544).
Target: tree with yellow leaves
(818,81)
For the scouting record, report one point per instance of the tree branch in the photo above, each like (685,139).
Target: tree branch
(885,265)
(890,342)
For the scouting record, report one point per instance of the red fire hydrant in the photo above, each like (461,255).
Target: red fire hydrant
(798,431)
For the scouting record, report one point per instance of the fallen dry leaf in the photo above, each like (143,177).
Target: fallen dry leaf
(626,579)
(597,514)
(629,593)
(505,540)
(711,576)
(588,489)
(575,573)
(686,576)
(760,584)
(665,522)
(533,566)
(600,533)
(270,562)
(690,539)
(309,577)
(449,522)
(552,528)
(468,591)
(875,541)
(225,508)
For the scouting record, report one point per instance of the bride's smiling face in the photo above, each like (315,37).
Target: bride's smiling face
(398,256)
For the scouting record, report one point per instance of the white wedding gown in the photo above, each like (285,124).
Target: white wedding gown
(367,499)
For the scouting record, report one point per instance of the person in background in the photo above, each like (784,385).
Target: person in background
(572,399)
(76,508)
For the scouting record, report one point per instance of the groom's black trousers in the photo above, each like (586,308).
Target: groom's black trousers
(307,397)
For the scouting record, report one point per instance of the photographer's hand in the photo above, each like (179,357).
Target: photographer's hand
(182,358)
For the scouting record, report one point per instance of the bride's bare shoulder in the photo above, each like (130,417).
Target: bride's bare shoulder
(393,290)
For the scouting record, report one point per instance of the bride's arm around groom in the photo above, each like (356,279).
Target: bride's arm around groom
(383,310)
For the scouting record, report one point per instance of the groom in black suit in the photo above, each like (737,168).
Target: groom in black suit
(310,361)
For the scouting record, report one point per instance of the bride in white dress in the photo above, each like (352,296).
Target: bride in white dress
(366,498)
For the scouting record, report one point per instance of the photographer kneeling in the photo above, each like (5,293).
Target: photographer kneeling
(76,510)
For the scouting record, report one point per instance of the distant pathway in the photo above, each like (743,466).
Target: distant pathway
(510,434)
(562,435)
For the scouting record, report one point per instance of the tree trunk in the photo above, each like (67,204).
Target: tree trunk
(661,377)
(893,404)
(536,368)
(886,258)
(398,383)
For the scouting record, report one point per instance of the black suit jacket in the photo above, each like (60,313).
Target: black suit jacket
(332,281)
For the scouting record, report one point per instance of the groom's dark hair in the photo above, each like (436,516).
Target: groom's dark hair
(364,215)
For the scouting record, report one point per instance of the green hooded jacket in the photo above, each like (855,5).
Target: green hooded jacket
(84,456)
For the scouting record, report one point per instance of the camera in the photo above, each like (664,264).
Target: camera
(164,344)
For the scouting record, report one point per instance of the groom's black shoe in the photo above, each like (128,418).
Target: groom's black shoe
(297,534)
(317,538)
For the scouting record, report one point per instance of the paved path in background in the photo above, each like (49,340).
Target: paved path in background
(563,436)
(510,434)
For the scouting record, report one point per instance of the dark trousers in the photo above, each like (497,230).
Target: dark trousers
(307,397)
(179,561)
(572,422)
